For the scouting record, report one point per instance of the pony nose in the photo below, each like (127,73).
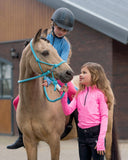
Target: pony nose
(69,73)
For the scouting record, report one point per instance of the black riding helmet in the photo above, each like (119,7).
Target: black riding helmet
(63,18)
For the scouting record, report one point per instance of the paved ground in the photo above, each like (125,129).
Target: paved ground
(69,150)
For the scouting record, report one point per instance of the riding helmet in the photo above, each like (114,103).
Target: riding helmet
(63,18)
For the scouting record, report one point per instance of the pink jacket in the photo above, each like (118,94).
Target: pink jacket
(92,111)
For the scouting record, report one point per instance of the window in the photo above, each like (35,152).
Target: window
(5,79)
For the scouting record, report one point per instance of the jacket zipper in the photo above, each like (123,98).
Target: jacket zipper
(86,96)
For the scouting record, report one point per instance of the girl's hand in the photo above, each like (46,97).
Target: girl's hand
(45,83)
(100,152)
(64,88)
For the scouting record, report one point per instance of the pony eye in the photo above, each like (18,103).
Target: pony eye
(45,53)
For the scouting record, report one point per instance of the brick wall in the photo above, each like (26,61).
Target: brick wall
(90,45)
(120,86)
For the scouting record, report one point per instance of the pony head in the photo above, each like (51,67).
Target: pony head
(43,57)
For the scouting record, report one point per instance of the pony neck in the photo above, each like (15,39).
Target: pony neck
(29,89)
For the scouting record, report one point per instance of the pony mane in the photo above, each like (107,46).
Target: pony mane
(45,39)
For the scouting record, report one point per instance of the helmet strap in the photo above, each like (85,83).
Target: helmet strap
(54,35)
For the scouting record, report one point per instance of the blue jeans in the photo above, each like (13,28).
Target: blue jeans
(87,139)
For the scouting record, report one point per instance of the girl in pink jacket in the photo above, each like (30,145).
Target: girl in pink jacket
(92,102)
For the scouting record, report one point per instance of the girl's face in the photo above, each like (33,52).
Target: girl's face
(59,32)
(85,77)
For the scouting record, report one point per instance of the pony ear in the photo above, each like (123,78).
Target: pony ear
(37,36)
(44,33)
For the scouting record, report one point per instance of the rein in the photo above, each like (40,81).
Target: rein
(44,74)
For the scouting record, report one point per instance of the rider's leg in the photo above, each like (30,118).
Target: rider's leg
(19,141)
(15,102)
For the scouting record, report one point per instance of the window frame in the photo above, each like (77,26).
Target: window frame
(6,62)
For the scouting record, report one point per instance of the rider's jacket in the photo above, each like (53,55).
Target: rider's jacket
(61,45)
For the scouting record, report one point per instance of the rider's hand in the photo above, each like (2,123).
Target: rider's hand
(45,83)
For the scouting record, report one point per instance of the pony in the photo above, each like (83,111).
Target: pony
(38,118)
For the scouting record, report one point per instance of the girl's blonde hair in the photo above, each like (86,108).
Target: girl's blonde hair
(98,78)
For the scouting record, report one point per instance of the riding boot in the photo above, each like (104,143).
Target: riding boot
(19,142)
(69,126)
(67,130)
